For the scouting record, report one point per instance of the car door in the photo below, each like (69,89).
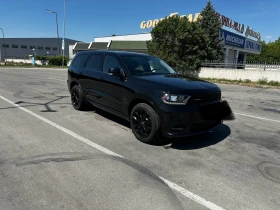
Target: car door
(112,87)
(91,77)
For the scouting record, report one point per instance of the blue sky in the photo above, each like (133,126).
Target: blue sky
(86,19)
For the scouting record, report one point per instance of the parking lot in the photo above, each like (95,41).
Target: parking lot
(54,157)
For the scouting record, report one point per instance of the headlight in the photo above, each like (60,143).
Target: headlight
(175,99)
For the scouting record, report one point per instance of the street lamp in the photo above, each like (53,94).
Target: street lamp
(63,41)
(56,28)
(4,45)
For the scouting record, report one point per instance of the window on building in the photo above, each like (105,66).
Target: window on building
(24,46)
(80,60)
(32,47)
(94,62)
(40,48)
(47,48)
(14,46)
(54,48)
(110,62)
(5,45)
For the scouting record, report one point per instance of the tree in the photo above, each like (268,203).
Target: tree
(178,42)
(210,22)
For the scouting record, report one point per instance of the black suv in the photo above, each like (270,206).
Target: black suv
(146,91)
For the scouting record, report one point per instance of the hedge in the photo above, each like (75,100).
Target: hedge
(53,60)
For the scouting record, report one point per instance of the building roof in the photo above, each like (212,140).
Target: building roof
(122,35)
(98,45)
(128,45)
(81,46)
(121,53)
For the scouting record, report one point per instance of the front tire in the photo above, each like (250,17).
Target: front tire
(145,123)
(77,98)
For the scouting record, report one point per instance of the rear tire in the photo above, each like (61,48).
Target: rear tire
(145,123)
(77,98)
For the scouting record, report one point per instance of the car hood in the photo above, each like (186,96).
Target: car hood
(180,83)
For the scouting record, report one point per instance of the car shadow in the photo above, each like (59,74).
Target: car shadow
(107,115)
(212,137)
(47,108)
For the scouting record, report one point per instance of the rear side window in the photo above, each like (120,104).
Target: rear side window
(79,60)
(94,62)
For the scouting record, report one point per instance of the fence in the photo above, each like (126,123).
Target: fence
(242,65)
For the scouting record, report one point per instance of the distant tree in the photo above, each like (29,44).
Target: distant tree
(210,22)
(178,42)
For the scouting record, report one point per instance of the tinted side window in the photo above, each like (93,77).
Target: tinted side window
(110,62)
(79,60)
(94,62)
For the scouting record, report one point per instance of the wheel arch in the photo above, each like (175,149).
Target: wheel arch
(73,83)
(138,100)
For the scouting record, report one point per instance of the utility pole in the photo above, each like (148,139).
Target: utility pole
(63,40)
(4,45)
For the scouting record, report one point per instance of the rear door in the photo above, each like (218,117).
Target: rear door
(92,75)
(112,87)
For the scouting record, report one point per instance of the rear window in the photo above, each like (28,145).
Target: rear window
(80,60)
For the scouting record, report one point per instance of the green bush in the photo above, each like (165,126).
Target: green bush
(274,83)
(262,81)
(247,81)
(57,61)
(41,58)
(52,60)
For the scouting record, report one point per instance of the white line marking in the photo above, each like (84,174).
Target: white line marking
(58,79)
(261,118)
(172,185)
(191,195)
(36,69)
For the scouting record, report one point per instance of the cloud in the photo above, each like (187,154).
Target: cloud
(268,37)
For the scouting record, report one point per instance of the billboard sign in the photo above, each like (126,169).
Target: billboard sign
(231,24)
(232,39)
(225,21)
(253,46)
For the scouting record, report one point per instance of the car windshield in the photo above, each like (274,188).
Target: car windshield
(147,65)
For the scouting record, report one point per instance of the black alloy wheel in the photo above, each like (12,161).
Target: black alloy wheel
(77,98)
(145,123)
(142,123)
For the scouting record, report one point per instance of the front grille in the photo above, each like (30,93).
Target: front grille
(197,99)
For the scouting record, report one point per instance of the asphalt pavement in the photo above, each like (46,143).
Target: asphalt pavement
(54,157)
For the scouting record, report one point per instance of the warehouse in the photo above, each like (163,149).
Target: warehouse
(22,48)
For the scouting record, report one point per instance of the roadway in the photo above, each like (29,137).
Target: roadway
(53,157)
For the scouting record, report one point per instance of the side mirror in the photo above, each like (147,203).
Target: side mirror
(115,72)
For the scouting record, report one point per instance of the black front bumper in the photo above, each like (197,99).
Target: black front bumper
(188,120)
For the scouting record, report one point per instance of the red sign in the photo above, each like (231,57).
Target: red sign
(231,24)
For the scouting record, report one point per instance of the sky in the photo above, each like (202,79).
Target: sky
(87,19)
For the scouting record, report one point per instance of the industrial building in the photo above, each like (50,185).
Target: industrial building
(20,48)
